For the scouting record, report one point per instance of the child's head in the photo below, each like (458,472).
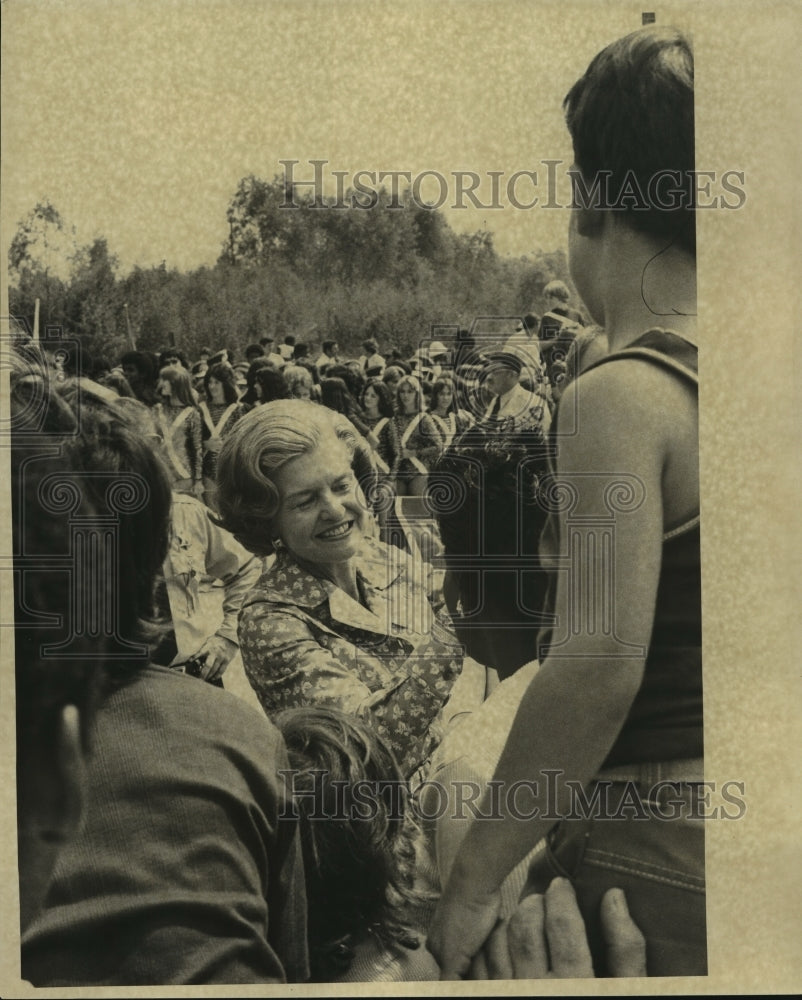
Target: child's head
(359,859)
(631,118)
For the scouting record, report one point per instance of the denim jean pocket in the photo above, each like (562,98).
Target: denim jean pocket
(562,856)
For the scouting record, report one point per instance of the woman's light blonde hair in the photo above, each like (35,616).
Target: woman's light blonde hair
(259,444)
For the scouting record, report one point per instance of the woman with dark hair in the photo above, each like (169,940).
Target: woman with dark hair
(220,411)
(178,422)
(360,860)
(140,371)
(172,358)
(382,435)
(269,384)
(249,398)
(420,440)
(335,394)
(484,495)
(450,419)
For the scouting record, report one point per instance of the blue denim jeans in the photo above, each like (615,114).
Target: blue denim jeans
(657,861)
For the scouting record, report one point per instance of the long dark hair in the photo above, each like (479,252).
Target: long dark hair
(335,395)
(227,377)
(385,394)
(359,863)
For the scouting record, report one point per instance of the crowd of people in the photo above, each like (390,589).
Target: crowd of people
(420,614)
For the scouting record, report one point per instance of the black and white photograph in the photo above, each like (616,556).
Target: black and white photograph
(400,497)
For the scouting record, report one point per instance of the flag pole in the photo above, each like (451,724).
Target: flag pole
(128,326)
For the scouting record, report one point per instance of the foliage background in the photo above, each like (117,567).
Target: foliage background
(394,270)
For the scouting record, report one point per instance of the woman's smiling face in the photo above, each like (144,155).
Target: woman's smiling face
(321,509)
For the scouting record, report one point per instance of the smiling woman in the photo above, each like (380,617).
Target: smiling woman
(338,619)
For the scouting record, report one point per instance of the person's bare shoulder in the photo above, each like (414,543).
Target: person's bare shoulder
(630,407)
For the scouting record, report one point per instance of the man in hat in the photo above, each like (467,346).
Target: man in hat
(511,401)
(524,342)
(440,358)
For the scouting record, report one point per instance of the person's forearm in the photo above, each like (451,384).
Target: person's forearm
(568,719)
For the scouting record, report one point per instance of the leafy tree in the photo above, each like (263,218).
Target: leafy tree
(41,258)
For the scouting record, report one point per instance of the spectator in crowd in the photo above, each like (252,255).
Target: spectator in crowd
(525,343)
(382,434)
(182,866)
(630,695)
(223,356)
(558,326)
(334,394)
(510,403)
(269,384)
(351,375)
(419,439)
(485,493)
(450,419)
(171,358)
(370,361)
(440,358)
(328,356)
(220,411)
(301,352)
(140,373)
(299,381)
(249,398)
(179,426)
(287,349)
(253,352)
(275,357)
(355,378)
(392,376)
(201,366)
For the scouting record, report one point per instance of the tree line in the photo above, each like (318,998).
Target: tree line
(394,273)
